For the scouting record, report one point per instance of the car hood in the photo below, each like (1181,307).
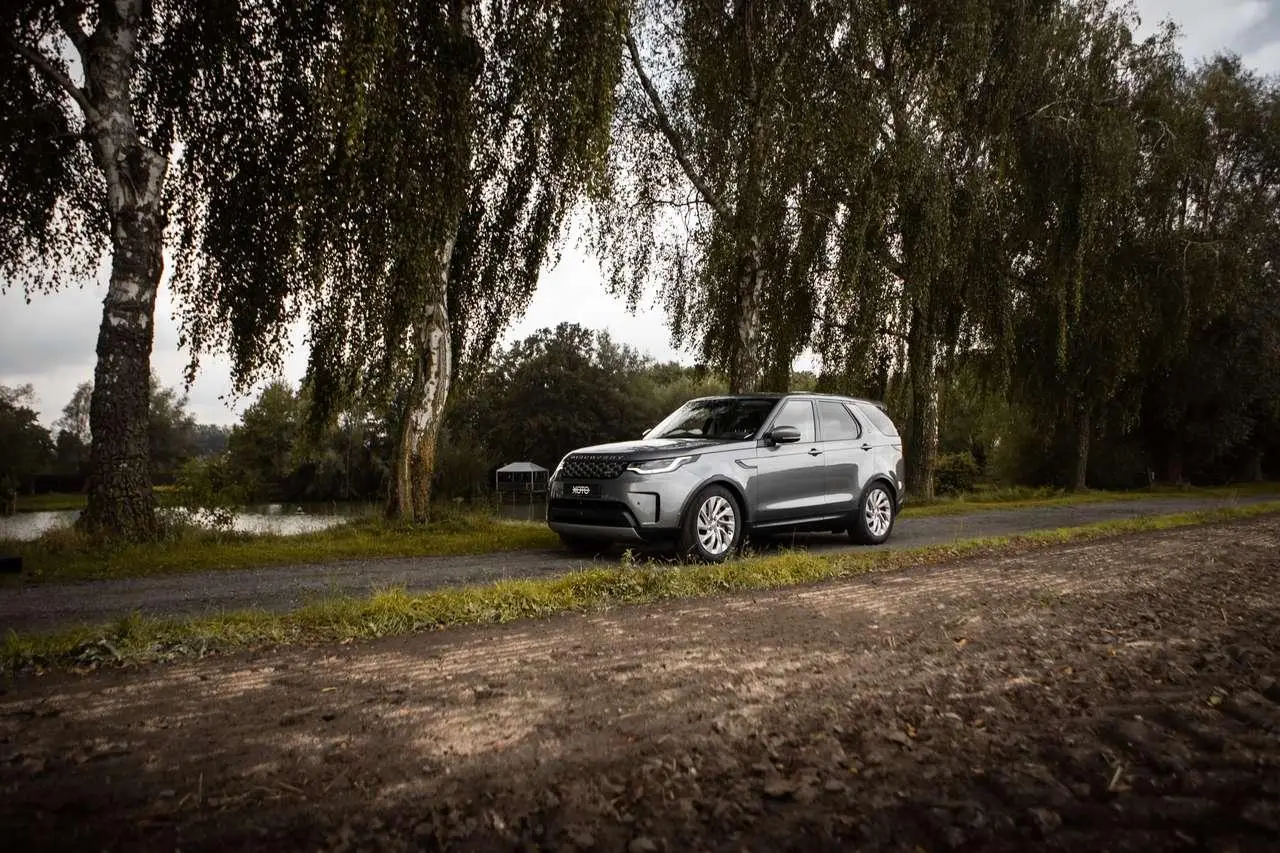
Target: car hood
(659,448)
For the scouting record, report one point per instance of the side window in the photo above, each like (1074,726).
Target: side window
(879,419)
(798,414)
(837,423)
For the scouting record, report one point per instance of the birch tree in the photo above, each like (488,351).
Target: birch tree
(922,255)
(715,197)
(441,147)
(98,180)
(96,99)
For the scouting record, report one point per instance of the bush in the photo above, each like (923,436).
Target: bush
(956,473)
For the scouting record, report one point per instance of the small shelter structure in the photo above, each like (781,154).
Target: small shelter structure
(528,478)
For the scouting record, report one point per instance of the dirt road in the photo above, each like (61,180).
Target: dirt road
(47,606)
(1119,695)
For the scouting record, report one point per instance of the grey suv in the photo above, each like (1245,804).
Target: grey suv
(720,466)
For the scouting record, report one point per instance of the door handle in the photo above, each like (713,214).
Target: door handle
(866,446)
(813,451)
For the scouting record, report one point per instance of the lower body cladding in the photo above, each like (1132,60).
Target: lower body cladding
(622,510)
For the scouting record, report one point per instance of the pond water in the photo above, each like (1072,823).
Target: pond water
(523,509)
(281,519)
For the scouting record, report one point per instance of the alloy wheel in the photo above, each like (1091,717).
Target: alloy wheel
(878,513)
(717,524)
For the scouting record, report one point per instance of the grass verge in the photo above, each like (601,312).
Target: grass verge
(51,502)
(66,501)
(1019,497)
(67,555)
(136,640)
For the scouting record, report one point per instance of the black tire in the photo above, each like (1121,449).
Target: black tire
(583,547)
(873,522)
(720,539)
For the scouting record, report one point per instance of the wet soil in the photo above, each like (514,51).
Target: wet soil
(1119,695)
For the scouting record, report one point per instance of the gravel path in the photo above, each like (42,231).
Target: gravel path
(282,588)
(1104,696)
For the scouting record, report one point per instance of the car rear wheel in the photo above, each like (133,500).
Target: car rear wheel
(712,528)
(873,521)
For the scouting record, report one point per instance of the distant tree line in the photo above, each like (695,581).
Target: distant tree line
(36,459)
(1013,202)
(536,400)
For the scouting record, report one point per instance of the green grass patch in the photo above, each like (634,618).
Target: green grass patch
(136,640)
(66,554)
(1018,497)
(67,501)
(51,502)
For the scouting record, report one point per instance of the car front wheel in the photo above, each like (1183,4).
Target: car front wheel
(712,528)
(873,522)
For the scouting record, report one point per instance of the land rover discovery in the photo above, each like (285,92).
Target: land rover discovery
(720,467)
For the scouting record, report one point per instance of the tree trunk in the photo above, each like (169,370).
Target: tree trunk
(120,498)
(420,425)
(1084,428)
(419,431)
(922,428)
(744,357)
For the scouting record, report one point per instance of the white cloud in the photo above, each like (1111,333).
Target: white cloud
(573,291)
(1266,58)
(1248,27)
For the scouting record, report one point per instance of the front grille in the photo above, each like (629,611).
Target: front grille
(593,467)
(597,513)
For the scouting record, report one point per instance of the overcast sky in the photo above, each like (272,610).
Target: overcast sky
(50,341)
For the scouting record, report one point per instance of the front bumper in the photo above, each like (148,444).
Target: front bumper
(631,507)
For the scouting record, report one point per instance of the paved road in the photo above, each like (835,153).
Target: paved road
(47,606)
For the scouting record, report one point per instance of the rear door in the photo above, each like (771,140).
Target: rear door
(790,478)
(844,452)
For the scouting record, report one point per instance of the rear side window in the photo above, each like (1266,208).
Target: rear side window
(798,414)
(878,419)
(837,423)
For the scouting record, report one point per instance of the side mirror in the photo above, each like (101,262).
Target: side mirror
(644,433)
(784,435)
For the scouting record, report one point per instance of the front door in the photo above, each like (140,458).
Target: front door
(790,478)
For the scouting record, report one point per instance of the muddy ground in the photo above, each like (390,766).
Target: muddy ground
(1119,695)
(44,607)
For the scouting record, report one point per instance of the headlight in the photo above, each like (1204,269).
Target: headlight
(556,473)
(660,466)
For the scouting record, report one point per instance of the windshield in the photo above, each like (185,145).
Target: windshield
(721,419)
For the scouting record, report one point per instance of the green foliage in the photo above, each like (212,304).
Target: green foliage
(210,487)
(957,473)
(419,162)
(172,431)
(52,211)
(261,448)
(718,198)
(25,446)
(557,390)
